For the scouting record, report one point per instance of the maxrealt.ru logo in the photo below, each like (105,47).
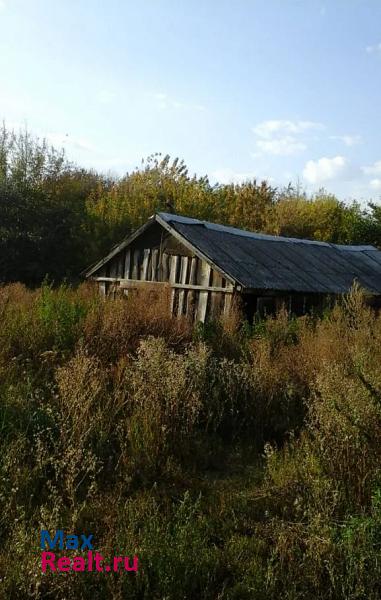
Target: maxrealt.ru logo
(93,561)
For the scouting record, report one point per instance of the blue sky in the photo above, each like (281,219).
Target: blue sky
(281,89)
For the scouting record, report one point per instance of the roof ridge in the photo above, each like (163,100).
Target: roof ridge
(168,217)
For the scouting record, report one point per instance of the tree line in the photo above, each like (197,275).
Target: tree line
(56,218)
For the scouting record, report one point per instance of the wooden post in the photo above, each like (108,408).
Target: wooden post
(147,254)
(165,267)
(183,279)
(113,273)
(173,278)
(121,265)
(154,265)
(127,265)
(191,294)
(135,265)
(215,297)
(102,288)
(203,296)
(227,303)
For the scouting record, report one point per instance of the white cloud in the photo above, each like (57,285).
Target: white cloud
(326,169)
(282,137)
(348,140)
(268,129)
(227,175)
(375,184)
(164,102)
(374,169)
(375,49)
(285,146)
(2,4)
(105,96)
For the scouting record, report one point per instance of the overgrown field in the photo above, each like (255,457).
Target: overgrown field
(237,462)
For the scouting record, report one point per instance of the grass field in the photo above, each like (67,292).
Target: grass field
(236,461)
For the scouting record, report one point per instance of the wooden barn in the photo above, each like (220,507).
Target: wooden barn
(207,265)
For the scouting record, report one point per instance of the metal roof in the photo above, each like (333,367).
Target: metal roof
(265,262)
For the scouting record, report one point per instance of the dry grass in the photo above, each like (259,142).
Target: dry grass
(115,418)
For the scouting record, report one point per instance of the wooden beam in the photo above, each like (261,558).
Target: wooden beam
(202,288)
(180,286)
(139,283)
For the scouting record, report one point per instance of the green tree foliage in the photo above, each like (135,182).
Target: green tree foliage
(27,161)
(44,226)
(320,217)
(56,218)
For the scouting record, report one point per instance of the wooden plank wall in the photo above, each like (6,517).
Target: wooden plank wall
(183,273)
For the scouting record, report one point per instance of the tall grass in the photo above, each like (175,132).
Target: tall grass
(237,462)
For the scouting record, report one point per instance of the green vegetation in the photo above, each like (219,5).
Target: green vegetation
(235,462)
(56,218)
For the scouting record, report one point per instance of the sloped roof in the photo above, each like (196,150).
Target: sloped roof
(265,262)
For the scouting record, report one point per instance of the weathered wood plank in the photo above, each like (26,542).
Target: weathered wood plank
(121,264)
(127,264)
(216,297)
(154,265)
(136,265)
(191,293)
(173,274)
(180,286)
(165,267)
(227,304)
(183,278)
(202,307)
(202,288)
(102,288)
(174,269)
(145,265)
(193,270)
(139,283)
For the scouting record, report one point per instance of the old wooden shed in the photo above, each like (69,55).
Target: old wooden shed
(206,265)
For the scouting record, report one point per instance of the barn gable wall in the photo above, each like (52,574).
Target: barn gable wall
(156,257)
